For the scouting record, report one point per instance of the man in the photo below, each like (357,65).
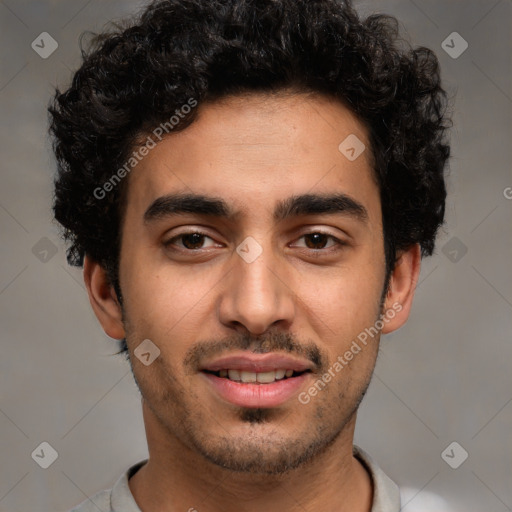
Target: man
(250,187)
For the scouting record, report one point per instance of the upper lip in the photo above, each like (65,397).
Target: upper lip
(257,363)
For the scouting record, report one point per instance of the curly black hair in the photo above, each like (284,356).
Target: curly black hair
(135,76)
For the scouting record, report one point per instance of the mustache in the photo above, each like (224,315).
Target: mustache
(276,341)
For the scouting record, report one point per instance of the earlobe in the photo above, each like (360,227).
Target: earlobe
(401,290)
(103,299)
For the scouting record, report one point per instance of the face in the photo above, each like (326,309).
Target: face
(252,246)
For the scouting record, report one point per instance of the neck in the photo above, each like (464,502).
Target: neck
(176,478)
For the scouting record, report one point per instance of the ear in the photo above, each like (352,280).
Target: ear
(401,289)
(103,299)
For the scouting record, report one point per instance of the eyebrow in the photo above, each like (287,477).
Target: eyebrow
(294,206)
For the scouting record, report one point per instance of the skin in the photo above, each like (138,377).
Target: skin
(204,452)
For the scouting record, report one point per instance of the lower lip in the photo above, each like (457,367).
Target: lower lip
(256,395)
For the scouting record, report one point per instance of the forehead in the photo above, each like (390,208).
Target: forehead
(257,149)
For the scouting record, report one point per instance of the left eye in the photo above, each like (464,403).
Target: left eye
(318,240)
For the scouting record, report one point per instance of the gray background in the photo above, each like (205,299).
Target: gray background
(444,377)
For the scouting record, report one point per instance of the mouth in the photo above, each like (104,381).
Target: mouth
(248,377)
(256,380)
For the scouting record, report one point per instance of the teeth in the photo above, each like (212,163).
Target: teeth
(234,374)
(266,377)
(247,376)
(261,377)
(280,374)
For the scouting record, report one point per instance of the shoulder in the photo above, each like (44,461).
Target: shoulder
(100,501)
(117,499)
(386,494)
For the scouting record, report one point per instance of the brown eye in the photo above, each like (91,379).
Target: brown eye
(316,240)
(319,241)
(192,241)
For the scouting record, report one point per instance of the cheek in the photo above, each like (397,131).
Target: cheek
(168,304)
(154,289)
(346,300)
(343,312)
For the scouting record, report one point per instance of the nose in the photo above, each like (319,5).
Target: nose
(257,295)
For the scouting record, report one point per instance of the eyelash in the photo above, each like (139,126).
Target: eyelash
(338,246)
